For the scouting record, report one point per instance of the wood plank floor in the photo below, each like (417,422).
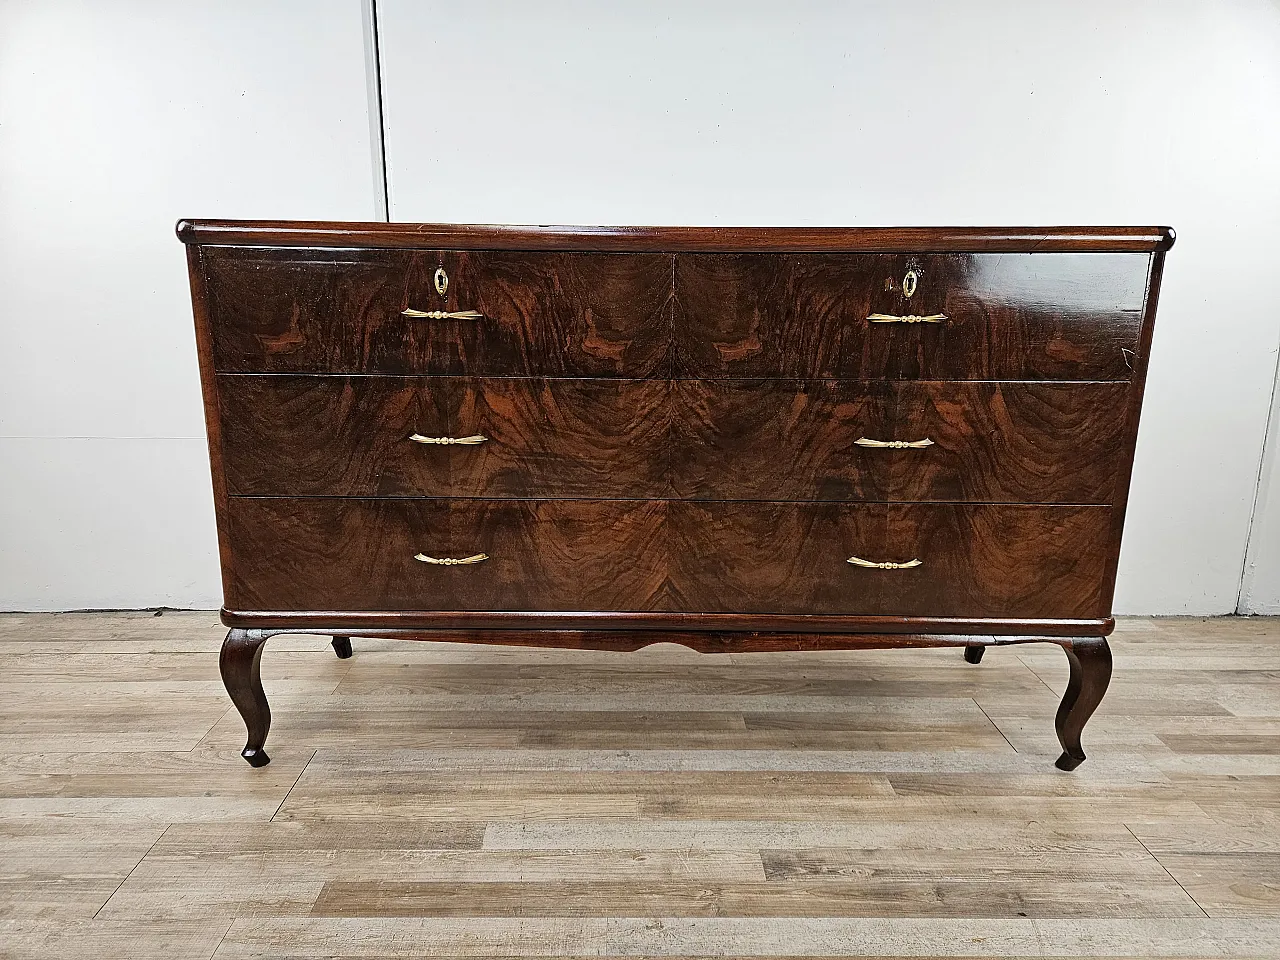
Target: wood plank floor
(437,800)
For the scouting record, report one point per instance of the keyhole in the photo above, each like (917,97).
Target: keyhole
(909,284)
(442,281)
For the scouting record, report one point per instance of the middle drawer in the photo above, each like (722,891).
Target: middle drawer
(1044,442)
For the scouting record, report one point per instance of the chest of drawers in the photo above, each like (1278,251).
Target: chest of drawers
(736,439)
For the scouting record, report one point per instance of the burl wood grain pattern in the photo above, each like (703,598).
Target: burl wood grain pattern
(327,311)
(976,560)
(797,440)
(358,554)
(353,554)
(597,438)
(340,436)
(1010,316)
(685,439)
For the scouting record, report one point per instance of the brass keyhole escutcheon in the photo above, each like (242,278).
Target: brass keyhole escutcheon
(442,281)
(909,283)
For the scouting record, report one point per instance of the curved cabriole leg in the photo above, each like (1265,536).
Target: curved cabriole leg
(973,652)
(240,660)
(1090,674)
(342,647)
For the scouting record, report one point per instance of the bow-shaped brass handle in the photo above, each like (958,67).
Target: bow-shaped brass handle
(907,318)
(448,441)
(859,562)
(894,444)
(451,561)
(444,314)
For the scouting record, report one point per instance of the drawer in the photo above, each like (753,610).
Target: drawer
(341,311)
(359,554)
(338,436)
(628,555)
(975,560)
(286,435)
(1059,316)
(350,436)
(986,442)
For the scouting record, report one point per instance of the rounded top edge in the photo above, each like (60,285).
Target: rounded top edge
(1095,239)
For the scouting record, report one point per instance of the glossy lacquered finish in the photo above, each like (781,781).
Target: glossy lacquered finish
(1007,316)
(1004,561)
(738,439)
(1052,442)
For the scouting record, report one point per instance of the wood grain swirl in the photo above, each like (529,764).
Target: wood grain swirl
(1010,316)
(358,554)
(339,311)
(681,557)
(685,439)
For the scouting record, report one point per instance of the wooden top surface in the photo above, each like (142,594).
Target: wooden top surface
(677,239)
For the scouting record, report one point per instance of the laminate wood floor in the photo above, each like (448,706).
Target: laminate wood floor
(438,800)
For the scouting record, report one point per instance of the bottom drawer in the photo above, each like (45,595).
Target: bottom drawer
(950,559)
(975,560)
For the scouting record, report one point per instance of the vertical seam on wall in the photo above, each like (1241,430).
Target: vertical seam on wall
(377,120)
(1267,440)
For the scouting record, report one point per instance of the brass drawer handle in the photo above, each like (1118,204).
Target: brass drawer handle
(894,444)
(907,318)
(450,561)
(448,441)
(859,562)
(444,314)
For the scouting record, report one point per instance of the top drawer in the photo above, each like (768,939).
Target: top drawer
(343,311)
(983,316)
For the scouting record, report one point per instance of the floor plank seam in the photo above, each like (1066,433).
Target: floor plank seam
(994,724)
(222,939)
(1166,870)
(1036,674)
(213,726)
(280,806)
(131,871)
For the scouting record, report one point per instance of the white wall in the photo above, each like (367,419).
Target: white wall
(116,119)
(933,112)
(1260,591)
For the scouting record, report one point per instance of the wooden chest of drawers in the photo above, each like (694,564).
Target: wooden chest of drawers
(736,439)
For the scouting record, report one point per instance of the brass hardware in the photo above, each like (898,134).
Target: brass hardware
(909,283)
(442,281)
(444,314)
(859,562)
(450,561)
(895,444)
(448,441)
(907,318)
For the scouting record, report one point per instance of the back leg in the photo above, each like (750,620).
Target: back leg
(342,647)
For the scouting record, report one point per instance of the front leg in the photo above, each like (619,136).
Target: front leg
(1090,660)
(240,664)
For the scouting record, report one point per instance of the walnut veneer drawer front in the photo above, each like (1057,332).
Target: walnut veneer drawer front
(1017,316)
(737,439)
(687,439)
(359,554)
(678,557)
(343,311)
(943,560)
(865,440)
(444,436)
